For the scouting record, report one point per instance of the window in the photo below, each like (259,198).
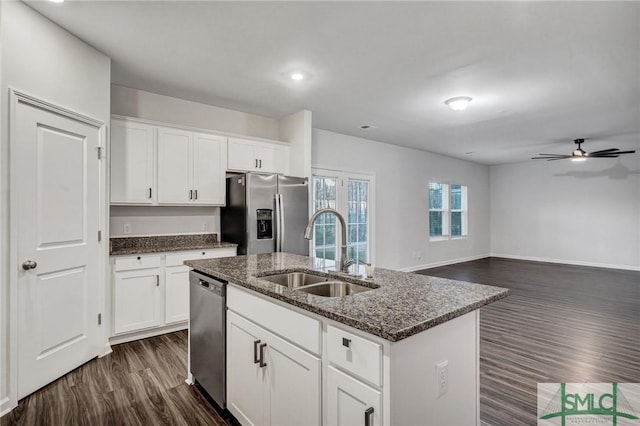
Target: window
(447,211)
(349,194)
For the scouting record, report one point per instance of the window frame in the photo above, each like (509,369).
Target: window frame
(447,211)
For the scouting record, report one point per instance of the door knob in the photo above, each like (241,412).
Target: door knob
(29,264)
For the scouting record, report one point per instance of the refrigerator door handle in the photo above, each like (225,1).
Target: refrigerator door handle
(278,227)
(281,224)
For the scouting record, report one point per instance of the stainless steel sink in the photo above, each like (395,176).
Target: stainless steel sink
(334,289)
(294,279)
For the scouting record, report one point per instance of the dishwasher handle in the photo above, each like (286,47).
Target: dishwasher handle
(212,284)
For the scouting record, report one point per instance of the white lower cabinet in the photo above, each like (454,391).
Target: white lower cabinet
(269,380)
(151,291)
(176,281)
(137,299)
(350,402)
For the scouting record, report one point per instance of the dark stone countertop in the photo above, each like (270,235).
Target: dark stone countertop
(404,304)
(162,243)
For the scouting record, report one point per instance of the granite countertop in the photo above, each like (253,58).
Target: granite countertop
(404,304)
(162,243)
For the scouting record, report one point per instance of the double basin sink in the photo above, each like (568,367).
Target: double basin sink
(316,285)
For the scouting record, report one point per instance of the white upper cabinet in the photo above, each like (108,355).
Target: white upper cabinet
(191,167)
(166,166)
(132,162)
(209,155)
(174,166)
(257,156)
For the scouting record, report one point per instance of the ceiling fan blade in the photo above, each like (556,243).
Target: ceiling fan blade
(558,158)
(603,151)
(614,155)
(625,152)
(555,157)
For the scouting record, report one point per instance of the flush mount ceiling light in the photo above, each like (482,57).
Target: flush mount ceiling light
(459,103)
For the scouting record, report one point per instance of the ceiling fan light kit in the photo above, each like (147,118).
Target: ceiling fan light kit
(580,154)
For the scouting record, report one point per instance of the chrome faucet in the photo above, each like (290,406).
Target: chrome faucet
(344,261)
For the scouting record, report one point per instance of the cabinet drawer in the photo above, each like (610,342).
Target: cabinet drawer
(137,262)
(178,258)
(300,329)
(355,354)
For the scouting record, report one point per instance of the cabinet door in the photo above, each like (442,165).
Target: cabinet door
(241,155)
(294,384)
(272,158)
(348,400)
(245,379)
(209,166)
(174,166)
(137,299)
(176,284)
(132,162)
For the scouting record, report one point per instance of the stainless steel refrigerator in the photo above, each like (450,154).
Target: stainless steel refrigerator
(266,213)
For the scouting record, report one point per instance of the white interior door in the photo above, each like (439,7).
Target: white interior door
(57,194)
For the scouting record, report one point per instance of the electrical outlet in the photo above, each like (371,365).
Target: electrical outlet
(127,228)
(418,255)
(205,226)
(442,378)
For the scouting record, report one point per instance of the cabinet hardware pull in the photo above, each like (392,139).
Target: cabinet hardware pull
(368,417)
(149,192)
(256,163)
(195,191)
(346,342)
(262,363)
(255,351)
(191,194)
(260,164)
(157,280)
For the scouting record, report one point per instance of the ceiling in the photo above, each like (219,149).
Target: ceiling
(540,73)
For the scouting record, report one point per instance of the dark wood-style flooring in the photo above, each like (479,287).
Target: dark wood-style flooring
(561,324)
(140,383)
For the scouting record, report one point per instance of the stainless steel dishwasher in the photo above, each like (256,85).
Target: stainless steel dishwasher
(207,334)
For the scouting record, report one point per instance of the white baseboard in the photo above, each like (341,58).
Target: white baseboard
(137,335)
(443,263)
(567,262)
(5,406)
(107,350)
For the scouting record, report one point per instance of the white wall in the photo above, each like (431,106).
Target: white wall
(164,220)
(560,211)
(41,59)
(402,176)
(165,109)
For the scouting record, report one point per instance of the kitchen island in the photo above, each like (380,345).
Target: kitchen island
(404,352)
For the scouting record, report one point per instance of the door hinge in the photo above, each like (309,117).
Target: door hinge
(100,319)
(99,236)
(100,148)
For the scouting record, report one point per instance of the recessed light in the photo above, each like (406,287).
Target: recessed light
(56,1)
(297,75)
(459,103)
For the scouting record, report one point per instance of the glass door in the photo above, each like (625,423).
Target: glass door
(350,195)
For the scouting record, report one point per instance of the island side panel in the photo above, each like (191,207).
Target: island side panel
(413,365)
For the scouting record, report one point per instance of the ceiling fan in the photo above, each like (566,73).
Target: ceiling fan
(580,154)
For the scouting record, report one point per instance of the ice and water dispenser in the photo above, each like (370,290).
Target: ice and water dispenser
(265,223)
